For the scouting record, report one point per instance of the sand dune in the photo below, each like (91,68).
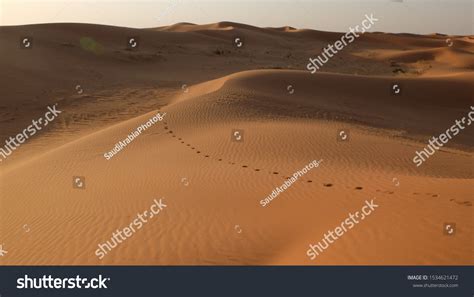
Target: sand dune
(212,185)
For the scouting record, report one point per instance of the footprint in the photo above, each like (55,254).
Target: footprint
(233,163)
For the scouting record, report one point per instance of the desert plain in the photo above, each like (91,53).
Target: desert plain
(212,184)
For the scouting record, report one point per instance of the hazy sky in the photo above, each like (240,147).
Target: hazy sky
(413,16)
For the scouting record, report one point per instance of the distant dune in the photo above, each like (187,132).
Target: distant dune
(208,87)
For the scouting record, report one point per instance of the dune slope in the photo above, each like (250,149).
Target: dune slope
(213,185)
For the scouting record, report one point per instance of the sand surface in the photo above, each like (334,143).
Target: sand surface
(212,184)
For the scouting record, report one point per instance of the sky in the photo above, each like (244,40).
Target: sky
(408,16)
